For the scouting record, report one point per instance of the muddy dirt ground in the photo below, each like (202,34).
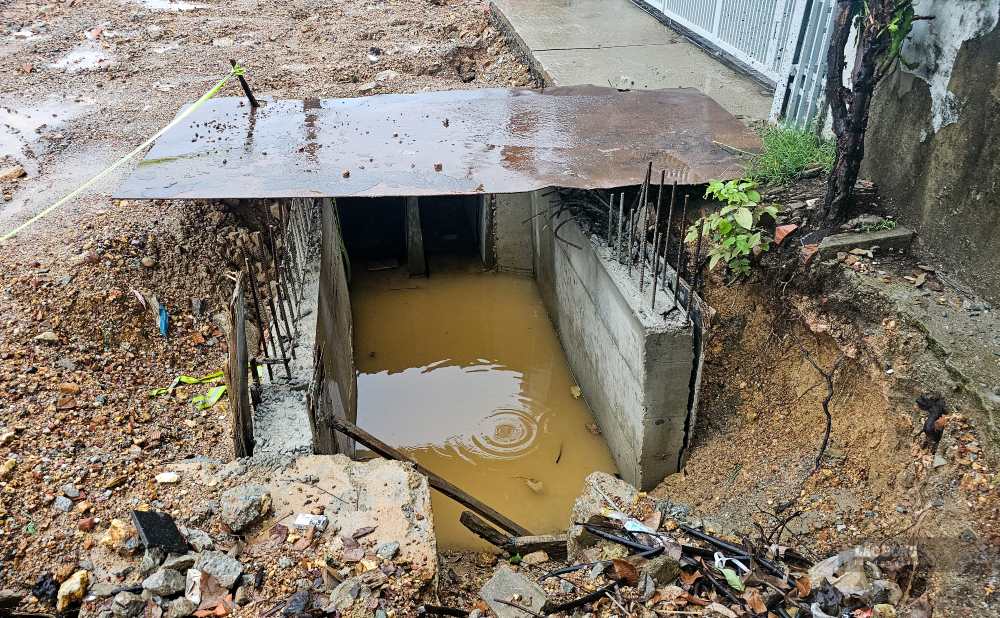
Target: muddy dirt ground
(84,82)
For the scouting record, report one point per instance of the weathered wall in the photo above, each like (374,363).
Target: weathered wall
(512,233)
(335,388)
(933,146)
(634,367)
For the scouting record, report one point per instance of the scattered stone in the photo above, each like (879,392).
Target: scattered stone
(387,551)
(220,566)
(148,262)
(12,173)
(127,605)
(7,467)
(179,608)
(87,524)
(297,603)
(344,594)
(244,505)
(199,540)
(151,560)
(102,589)
(180,563)
(663,569)
(47,337)
(72,590)
(164,583)
(70,491)
(242,597)
(62,503)
(167,478)
(535,557)
(510,586)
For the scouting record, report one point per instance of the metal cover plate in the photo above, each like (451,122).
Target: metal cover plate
(455,142)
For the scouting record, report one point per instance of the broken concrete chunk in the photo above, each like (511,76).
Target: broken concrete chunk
(164,583)
(507,585)
(12,173)
(159,530)
(220,566)
(387,551)
(589,506)
(72,590)
(244,505)
(305,520)
(151,560)
(344,594)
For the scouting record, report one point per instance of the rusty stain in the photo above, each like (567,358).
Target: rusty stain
(494,140)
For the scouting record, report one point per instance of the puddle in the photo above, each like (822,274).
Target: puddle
(171,5)
(19,124)
(84,57)
(463,371)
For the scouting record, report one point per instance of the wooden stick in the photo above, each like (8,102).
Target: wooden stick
(483,530)
(381,448)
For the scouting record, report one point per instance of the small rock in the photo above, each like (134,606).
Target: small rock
(12,173)
(535,557)
(148,262)
(179,608)
(199,540)
(70,491)
(387,551)
(164,583)
(220,566)
(102,589)
(72,590)
(62,503)
(151,560)
(242,597)
(297,603)
(344,594)
(180,563)
(286,563)
(87,524)
(47,337)
(506,584)
(167,478)
(244,505)
(127,605)
(7,467)
(663,569)
(70,388)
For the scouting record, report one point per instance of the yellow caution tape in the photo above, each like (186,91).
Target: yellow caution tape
(236,71)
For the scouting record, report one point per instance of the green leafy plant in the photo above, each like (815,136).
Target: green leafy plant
(735,229)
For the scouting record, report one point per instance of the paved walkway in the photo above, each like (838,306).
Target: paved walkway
(614,42)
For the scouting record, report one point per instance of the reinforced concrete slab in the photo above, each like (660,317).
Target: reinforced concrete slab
(614,42)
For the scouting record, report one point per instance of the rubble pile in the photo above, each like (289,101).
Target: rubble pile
(631,555)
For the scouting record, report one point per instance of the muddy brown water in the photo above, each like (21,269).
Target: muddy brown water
(464,372)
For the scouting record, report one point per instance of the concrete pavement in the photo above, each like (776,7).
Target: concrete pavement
(614,42)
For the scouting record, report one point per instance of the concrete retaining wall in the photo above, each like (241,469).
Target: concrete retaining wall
(933,147)
(634,366)
(335,388)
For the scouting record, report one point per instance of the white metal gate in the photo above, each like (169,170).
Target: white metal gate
(799,98)
(756,33)
(783,41)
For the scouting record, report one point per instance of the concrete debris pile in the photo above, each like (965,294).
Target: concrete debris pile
(327,535)
(630,555)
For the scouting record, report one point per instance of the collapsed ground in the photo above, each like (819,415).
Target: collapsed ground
(80,354)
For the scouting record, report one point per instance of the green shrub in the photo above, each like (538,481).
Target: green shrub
(787,152)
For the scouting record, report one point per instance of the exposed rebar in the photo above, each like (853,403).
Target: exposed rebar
(257,310)
(680,251)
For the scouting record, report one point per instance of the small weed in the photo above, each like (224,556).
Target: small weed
(787,152)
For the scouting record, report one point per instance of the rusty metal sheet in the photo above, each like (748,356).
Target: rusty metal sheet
(441,143)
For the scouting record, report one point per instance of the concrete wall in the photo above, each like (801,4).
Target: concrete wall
(506,233)
(933,145)
(634,367)
(335,388)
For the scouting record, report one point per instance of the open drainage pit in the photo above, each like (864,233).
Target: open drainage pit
(463,372)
